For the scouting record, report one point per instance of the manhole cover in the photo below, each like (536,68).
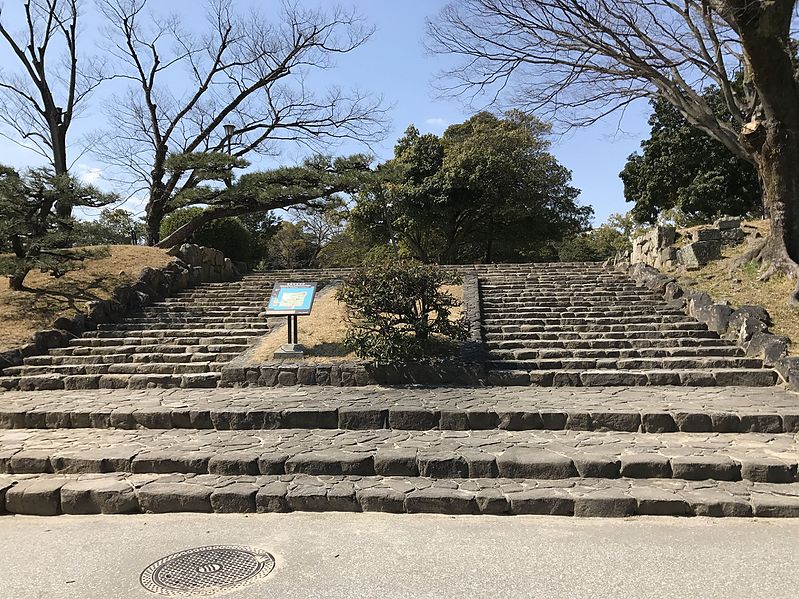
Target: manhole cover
(206,570)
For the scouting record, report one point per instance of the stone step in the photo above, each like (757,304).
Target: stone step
(646,410)
(526,360)
(510,349)
(538,454)
(553,325)
(171,332)
(148,349)
(506,375)
(136,340)
(153,325)
(610,340)
(191,367)
(532,312)
(596,322)
(50,382)
(130,357)
(51,495)
(600,332)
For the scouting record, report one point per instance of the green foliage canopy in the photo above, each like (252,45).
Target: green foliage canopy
(487,190)
(685,171)
(397,311)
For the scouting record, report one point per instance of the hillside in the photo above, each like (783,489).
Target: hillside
(24,312)
(742,287)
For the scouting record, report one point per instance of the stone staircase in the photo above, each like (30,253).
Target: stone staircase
(182,341)
(583,324)
(635,451)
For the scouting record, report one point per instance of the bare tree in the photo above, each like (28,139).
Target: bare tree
(579,60)
(40,100)
(239,87)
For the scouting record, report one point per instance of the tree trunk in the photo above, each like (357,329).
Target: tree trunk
(16,282)
(773,139)
(183,233)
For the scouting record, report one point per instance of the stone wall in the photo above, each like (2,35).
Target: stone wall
(747,326)
(658,248)
(191,265)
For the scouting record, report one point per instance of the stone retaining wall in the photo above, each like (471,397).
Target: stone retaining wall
(657,248)
(191,265)
(747,326)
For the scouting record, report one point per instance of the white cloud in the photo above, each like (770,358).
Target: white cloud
(89,175)
(437,122)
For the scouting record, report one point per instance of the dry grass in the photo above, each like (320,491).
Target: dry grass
(322,332)
(744,288)
(24,312)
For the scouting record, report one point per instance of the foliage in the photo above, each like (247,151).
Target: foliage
(487,190)
(228,235)
(33,228)
(113,226)
(397,311)
(685,171)
(597,244)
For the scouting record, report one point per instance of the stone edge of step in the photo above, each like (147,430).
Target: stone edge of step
(54,495)
(398,417)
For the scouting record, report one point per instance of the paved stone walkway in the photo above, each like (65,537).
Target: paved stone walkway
(150,493)
(439,454)
(661,409)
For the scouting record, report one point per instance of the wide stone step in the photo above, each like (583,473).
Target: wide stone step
(526,360)
(172,332)
(51,495)
(147,327)
(534,312)
(149,349)
(130,357)
(50,382)
(535,454)
(509,349)
(194,340)
(611,340)
(633,409)
(598,323)
(507,373)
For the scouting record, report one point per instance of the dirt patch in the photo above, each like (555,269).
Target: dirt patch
(22,313)
(742,287)
(322,332)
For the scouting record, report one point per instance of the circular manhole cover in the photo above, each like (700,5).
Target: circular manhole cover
(206,570)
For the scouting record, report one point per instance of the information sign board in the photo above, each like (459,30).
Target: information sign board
(291,299)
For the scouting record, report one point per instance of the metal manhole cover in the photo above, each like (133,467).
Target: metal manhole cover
(206,570)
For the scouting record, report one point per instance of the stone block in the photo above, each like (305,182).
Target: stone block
(366,418)
(98,496)
(659,502)
(408,418)
(705,467)
(519,420)
(706,234)
(160,498)
(453,420)
(330,461)
(272,463)
(605,504)
(381,499)
(307,498)
(775,506)
(597,466)
(697,254)
(271,497)
(171,461)
(492,501)
(310,418)
(436,500)
(396,462)
(645,465)
(35,497)
(716,504)
(442,465)
(30,462)
(658,422)
(767,470)
(546,502)
(715,316)
(534,463)
(234,463)
(616,421)
(693,422)
(238,498)
(761,423)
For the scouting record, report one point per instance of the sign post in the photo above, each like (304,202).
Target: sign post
(291,300)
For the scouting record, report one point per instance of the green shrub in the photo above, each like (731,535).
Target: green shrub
(228,235)
(397,312)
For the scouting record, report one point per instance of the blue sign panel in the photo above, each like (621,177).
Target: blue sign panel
(291,298)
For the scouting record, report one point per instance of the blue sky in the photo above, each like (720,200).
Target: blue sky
(394,64)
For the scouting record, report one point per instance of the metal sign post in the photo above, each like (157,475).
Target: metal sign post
(291,300)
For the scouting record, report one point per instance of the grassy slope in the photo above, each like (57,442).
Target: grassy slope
(24,312)
(743,288)
(322,332)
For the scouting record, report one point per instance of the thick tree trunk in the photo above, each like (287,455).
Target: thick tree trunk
(773,138)
(17,282)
